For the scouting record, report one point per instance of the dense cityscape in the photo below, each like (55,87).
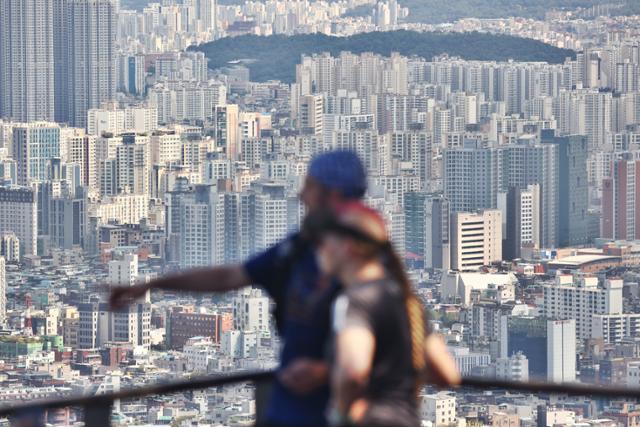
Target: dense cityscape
(511,189)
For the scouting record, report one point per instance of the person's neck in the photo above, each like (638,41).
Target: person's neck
(362,272)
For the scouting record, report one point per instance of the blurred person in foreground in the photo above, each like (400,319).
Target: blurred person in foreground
(383,351)
(303,297)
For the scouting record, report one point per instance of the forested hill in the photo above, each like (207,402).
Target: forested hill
(275,57)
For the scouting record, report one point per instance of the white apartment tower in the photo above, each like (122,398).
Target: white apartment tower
(131,324)
(476,239)
(271,219)
(581,299)
(133,164)
(561,351)
(27,60)
(10,247)
(530,216)
(310,114)
(251,311)
(124,272)
(81,150)
(514,368)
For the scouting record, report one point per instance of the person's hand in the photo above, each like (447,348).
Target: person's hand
(352,417)
(122,296)
(304,375)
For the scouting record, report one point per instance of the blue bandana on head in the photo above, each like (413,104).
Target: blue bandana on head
(340,170)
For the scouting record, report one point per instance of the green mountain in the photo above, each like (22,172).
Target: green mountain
(275,57)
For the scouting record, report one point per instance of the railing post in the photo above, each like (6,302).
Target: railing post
(262,394)
(98,412)
(34,417)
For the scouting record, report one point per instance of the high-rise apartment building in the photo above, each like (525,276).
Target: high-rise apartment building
(81,150)
(89,52)
(621,200)
(10,247)
(34,146)
(270,215)
(311,114)
(227,131)
(251,311)
(130,324)
(529,162)
(114,120)
(133,164)
(522,220)
(580,299)
(476,239)
(68,220)
(27,60)
(573,188)
(471,177)
(18,215)
(3,291)
(415,223)
(426,221)
(197,227)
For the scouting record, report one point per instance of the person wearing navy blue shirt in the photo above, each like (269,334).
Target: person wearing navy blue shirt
(303,297)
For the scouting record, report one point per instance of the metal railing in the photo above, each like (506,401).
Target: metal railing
(97,409)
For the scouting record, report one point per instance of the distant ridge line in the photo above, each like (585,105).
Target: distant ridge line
(276,56)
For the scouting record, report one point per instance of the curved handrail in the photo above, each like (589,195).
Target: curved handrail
(168,388)
(218,380)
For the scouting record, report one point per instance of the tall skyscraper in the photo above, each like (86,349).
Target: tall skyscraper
(523,220)
(90,56)
(529,162)
(414,223)
(34,147)
(471,177)
(227,130)
(621,200)
(197,226)
(27,60)
(131,324)
(437,242)
(133,164)
(81,150)
(476,239)
(310,114)
(270,215)
(573,188)
(561,351)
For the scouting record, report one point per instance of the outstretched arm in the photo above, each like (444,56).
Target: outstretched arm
(355,347)
(218,279)
(441,368)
